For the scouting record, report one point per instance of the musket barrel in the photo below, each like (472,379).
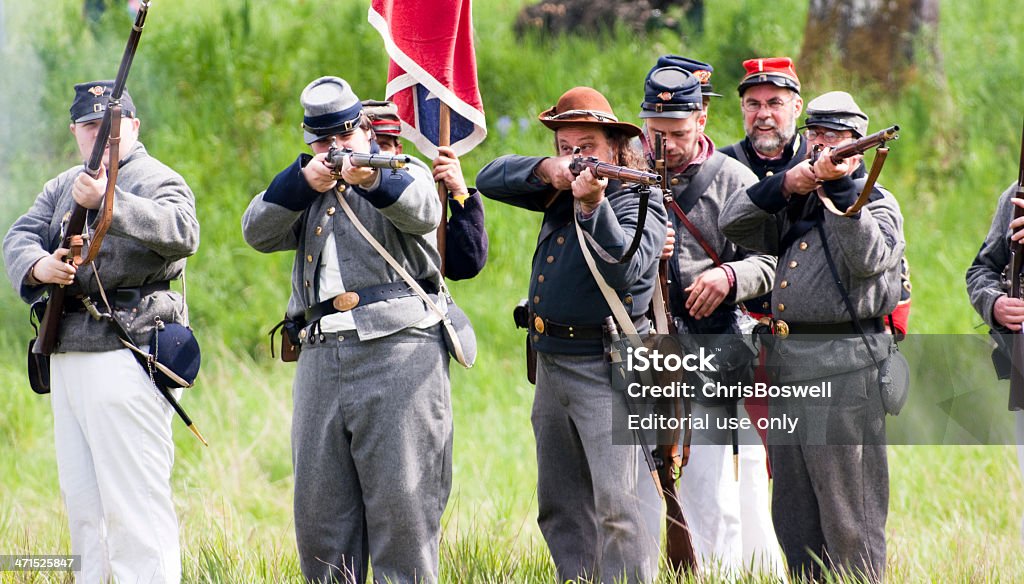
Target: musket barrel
(613,171)
(862,145)
(92,166)
(336,156)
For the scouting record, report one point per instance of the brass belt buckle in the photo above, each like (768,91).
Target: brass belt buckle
(345,301)
(781,329)
(538,324)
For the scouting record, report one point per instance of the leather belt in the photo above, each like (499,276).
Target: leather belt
(120,297)
(348,300)
(784,329)
(579,332)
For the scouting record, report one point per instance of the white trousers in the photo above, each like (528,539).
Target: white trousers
(114,455)
(730,521)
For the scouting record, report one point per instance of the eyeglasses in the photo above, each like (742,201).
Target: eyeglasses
(775,104)
(826,136)
(601,116)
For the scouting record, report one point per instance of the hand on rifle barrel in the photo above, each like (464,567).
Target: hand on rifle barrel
(88,191)
(361,176)
(52,269)
(825,169)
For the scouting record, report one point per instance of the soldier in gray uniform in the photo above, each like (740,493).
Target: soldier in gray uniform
(372,426)
(586,485)
(831,493)
(987,288)
(112,428)
(729,520)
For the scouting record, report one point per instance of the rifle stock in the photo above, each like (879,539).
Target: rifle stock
(74,224)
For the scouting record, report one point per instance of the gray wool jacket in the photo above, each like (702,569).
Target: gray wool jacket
(401,210)
(154,229)
(754,271)
(866,248)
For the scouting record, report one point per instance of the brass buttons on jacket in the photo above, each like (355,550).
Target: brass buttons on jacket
(309,258)
(538,324)
(782,307)
(540,278)
(783,284)
(674,182)
(769,173)
(536,299)
(330,210)
(560,240)
(551,259)
(803,245)
(319,230)
(793,264)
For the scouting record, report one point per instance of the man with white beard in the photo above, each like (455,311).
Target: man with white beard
(771,103)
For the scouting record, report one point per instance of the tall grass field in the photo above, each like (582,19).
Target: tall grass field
(217,86)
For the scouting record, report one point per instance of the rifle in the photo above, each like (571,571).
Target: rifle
(642,180)
(336,156)
(667,457)
(1016,278)
(73,232)
(612,171)
(859,146)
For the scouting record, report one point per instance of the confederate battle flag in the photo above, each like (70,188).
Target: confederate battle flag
(432,61)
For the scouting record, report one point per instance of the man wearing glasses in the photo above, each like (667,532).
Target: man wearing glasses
(837,278)
(771,103)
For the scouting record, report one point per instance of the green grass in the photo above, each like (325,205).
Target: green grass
(217,86)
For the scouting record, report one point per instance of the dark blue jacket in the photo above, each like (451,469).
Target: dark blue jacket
(562,289)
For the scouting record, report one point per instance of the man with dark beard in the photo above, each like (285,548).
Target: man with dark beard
(771,103)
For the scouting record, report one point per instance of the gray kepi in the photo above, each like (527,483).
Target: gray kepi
(330,107)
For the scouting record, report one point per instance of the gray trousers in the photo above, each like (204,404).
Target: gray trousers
(589,511)
(831,495)
(372,451)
